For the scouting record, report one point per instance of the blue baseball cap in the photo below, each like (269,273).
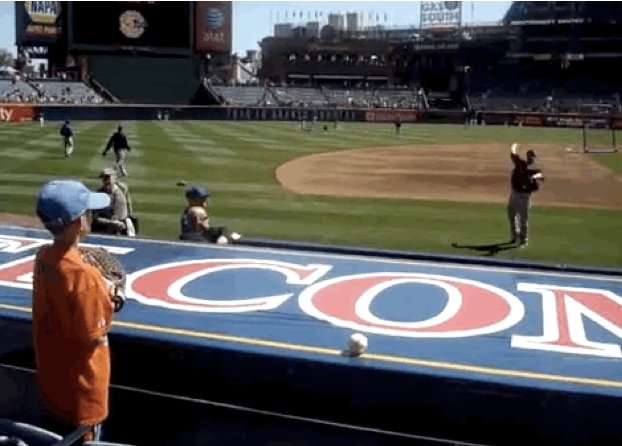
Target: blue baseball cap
(197,192)
(59,202)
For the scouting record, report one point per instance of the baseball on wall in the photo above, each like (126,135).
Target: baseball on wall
(357,344)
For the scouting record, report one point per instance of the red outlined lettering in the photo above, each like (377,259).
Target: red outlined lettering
(563,310)
(162,285)
(472,309)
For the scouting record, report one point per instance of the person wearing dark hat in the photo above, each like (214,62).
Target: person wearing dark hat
(67,133)
(72,311)
(195,220)
(524,182)
(118,142)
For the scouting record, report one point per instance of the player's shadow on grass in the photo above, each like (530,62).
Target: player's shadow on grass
(489,249)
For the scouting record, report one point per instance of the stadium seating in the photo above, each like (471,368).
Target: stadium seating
(240,95)
(299,96)
(47,91)
(59,91)
(17,91)
(378,98)
(296,96)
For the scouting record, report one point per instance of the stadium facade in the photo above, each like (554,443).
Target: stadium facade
(164,52)
(537,48)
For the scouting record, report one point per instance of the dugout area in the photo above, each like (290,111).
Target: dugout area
(198,371)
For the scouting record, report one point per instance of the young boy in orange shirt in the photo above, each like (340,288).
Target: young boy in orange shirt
(72,313)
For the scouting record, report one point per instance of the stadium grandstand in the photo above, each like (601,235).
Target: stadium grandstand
(542,56)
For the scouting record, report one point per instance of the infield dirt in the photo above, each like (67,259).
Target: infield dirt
(460,173)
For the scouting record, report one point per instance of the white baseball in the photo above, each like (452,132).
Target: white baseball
(357,344)
(222,240)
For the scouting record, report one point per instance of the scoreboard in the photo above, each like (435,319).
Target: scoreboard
(161,26)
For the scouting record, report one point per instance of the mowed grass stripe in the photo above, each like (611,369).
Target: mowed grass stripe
(244,139)
(247,197)
(268,138)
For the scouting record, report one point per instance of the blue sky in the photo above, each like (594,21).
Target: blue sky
(255,19)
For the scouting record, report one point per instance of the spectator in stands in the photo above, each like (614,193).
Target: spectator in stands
(109,172)
(195,220)
(114,219)
(72,313)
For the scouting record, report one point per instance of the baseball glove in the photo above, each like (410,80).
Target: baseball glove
(111,269)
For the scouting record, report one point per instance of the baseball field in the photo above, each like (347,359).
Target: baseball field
(358,185)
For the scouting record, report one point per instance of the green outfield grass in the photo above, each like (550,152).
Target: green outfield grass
(236,161)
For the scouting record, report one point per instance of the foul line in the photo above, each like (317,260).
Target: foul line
(373,356)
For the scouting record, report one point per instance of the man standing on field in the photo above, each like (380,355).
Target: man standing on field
(524,182)
(67,133)
(119,144)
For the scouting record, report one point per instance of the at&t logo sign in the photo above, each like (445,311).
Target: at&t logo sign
(213,18)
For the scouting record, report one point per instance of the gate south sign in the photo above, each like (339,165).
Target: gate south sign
(440,13)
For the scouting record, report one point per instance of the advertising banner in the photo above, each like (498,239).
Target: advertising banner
(532,120)
(435,14)
(380,115)
(213,27)
(37,23)
(16,113)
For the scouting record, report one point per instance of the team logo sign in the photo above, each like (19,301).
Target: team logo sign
(132,24)
(564,319)
(163,285)
(471,308)
(213,18)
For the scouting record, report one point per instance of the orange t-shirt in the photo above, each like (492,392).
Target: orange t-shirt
(72,313)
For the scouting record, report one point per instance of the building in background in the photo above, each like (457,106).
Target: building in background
(537,48)
(283,30)
(336,21)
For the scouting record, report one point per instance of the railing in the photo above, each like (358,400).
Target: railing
(102,91)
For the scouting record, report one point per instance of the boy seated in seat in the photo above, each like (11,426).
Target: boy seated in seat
(195,220)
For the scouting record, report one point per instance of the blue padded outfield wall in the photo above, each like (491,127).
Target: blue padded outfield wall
(495,353)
